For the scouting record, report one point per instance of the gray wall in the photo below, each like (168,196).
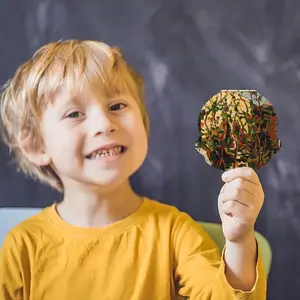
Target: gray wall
(187,51)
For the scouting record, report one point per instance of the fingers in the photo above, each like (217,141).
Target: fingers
(234,208)
(237,195)
(246,173)
(242,191)
(242,184)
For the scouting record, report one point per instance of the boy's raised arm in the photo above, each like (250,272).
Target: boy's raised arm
(202,275)
(240,273)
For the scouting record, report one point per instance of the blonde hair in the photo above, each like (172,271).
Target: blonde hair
(58,65)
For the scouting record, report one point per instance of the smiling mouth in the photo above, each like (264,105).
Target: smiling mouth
(114,151)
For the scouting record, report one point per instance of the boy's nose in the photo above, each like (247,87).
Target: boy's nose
(101,123)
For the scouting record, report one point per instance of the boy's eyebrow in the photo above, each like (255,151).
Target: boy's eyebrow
(64,101)
(125,96)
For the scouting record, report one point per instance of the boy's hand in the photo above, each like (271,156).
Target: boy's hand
(240,201)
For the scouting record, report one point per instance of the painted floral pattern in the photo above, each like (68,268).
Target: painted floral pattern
(237,128)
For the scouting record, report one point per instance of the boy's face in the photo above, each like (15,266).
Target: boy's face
(93,139)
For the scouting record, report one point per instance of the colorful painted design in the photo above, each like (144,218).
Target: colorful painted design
(237,128)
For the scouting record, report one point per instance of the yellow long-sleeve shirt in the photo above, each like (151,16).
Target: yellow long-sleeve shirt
(149,255)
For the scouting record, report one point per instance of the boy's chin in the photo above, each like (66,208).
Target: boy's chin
(108,183)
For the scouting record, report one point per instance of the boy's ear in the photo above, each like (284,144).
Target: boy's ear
(33,150)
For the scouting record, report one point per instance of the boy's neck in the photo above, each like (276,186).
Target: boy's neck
(92,209)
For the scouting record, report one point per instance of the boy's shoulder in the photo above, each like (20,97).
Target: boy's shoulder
(167,212)
(170,220)
(32,226)
(158,207)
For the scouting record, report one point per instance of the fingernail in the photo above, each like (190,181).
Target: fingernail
(224,176)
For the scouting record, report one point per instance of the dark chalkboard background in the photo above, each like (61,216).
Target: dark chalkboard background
(187,51)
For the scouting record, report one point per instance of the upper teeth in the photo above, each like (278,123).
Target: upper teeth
(106,152)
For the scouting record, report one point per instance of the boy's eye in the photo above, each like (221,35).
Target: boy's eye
(117,106)
(74,115)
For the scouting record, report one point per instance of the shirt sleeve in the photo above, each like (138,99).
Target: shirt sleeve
(11,275)
(199,269)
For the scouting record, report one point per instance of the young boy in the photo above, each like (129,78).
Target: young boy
(74,117)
